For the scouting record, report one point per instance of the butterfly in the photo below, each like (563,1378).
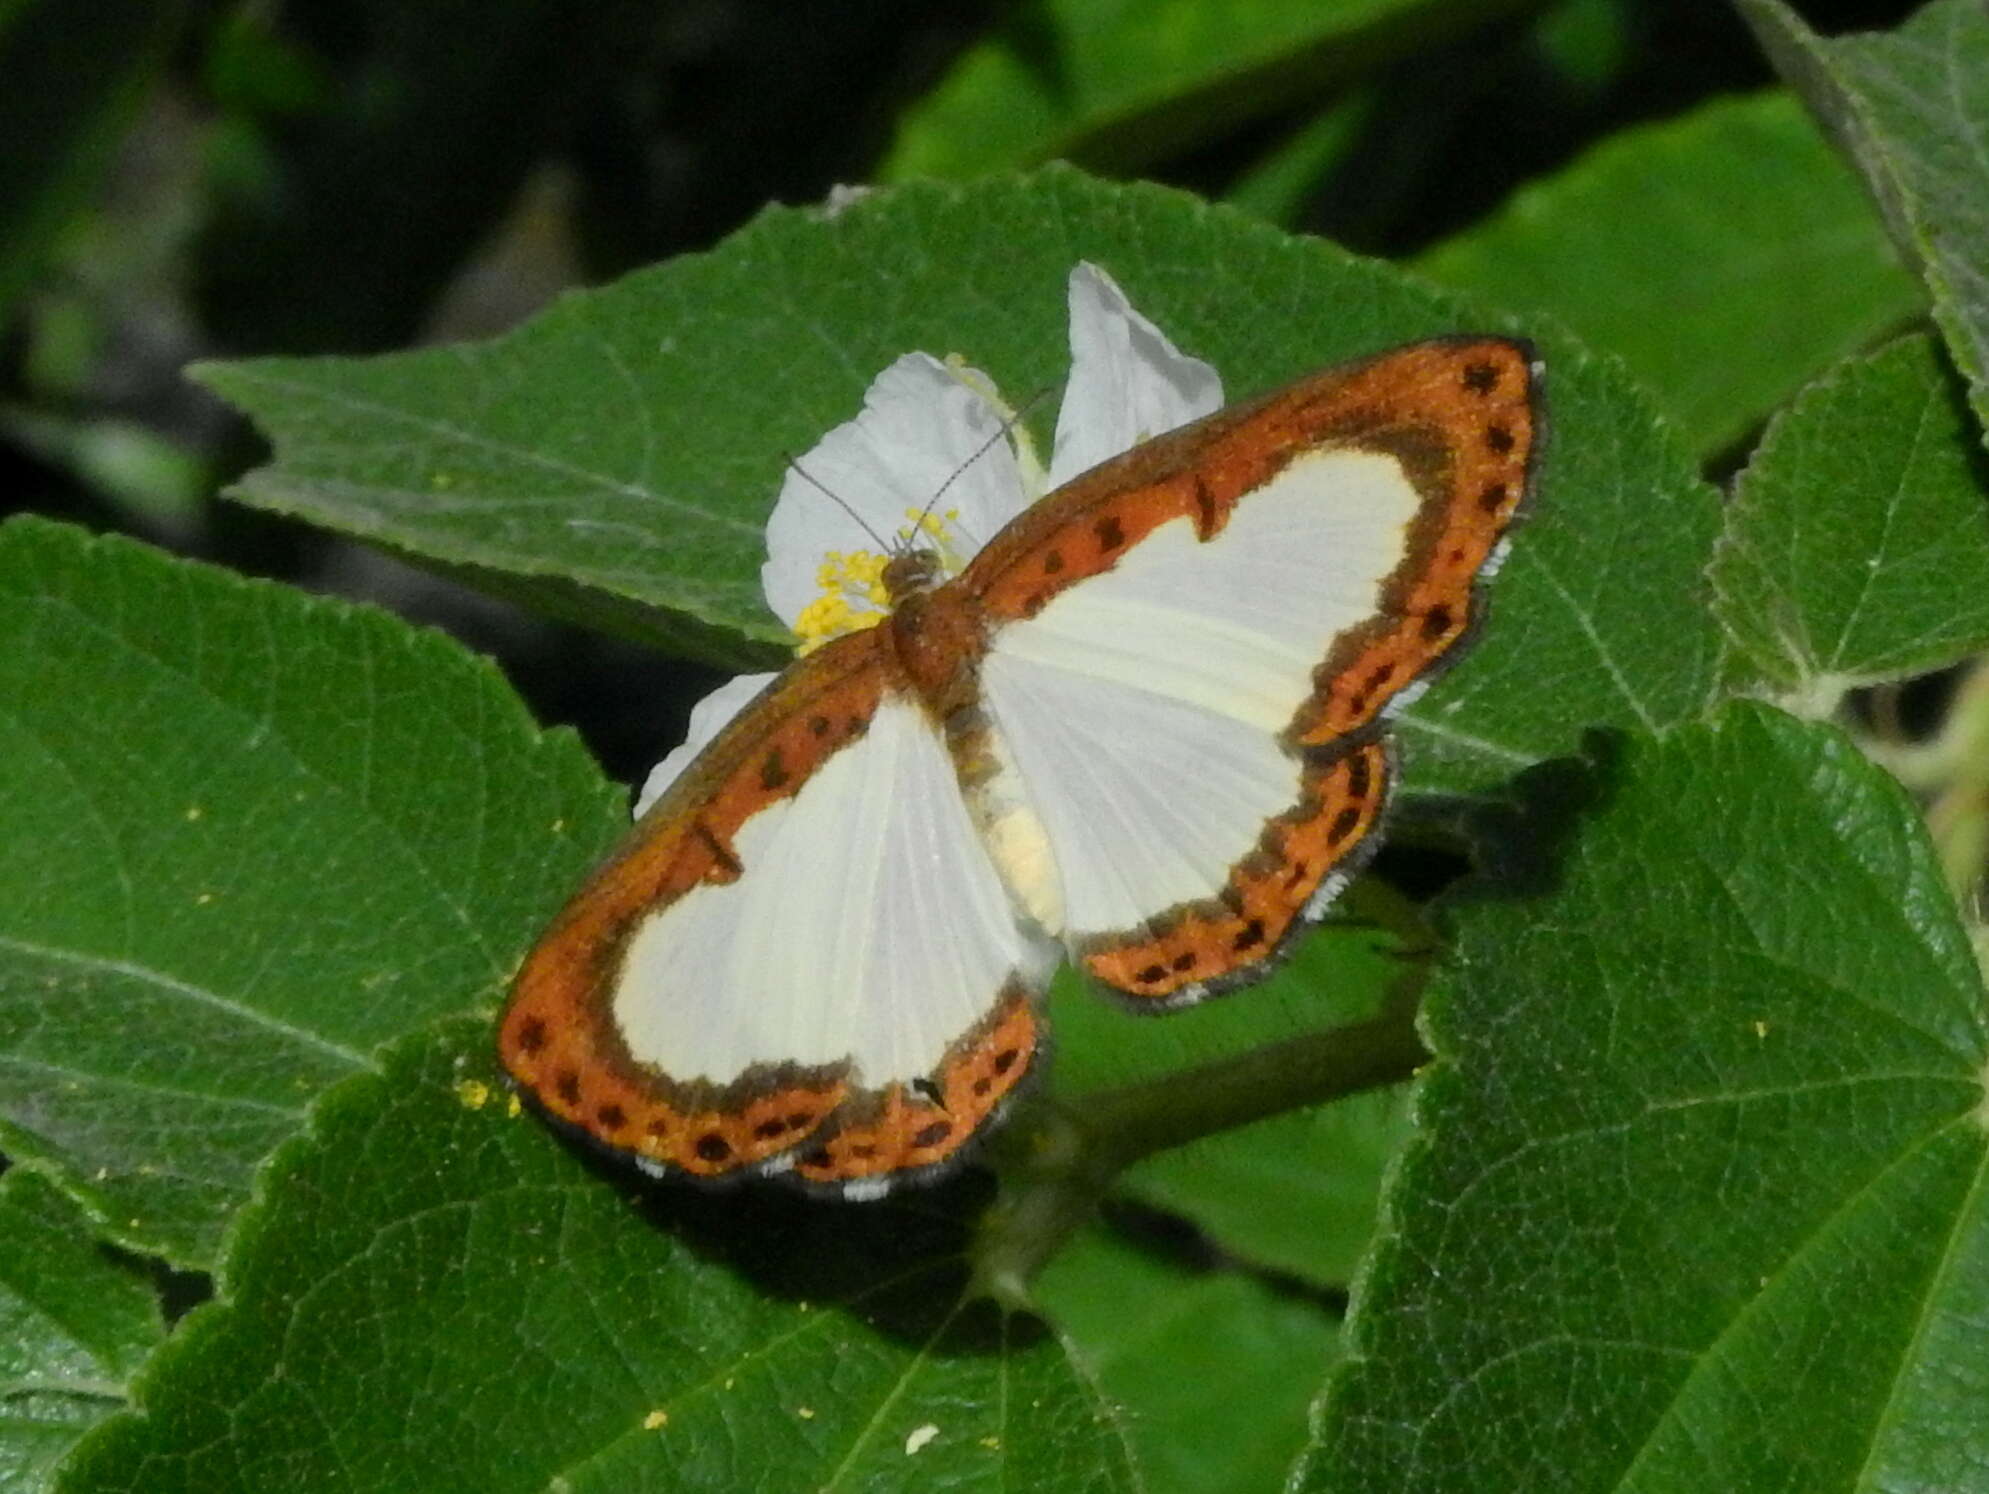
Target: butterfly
(1142,728)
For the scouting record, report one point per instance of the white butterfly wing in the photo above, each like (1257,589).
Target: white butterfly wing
(1194,646)
(870,928)
(1145,708)
(818,936)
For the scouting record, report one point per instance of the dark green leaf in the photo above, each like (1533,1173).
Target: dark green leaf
(434,1293)
(75,1323)
(621,451)
(1117,85)
(1725,256)
(1912,108)
(1857,544)
(246,836)
(1700,1199)
(1296,1191)
(70,78)
(1212,1368)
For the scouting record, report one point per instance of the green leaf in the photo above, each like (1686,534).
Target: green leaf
(1297,1191)
(1588,44)
(71,76)
(1911,107)
(246,836)
(1857,544)
(621,451)
(1208,1412)
(1699,1200)
(1120,84)
(1726,256)
(75,1324)
(433,1292)
(1337,974)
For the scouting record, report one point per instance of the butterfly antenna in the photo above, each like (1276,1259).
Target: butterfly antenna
(985,447)
(883,545)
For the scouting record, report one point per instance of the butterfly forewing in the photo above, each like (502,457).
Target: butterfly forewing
(1191,643)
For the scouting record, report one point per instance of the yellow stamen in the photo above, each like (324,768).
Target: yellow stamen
(855,576)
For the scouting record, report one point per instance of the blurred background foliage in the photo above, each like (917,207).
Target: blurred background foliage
(189,179)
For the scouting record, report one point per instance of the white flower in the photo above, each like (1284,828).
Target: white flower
(936,451)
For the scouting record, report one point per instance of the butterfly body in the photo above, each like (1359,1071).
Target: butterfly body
(1141,728)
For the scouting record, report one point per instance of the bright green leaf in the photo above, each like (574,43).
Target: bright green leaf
(75,1323)
(245,837)
(434,1293)
(1337,974)
(1857,544)
(1726,256)
(1114,85)
(1699,1201)
(1212,1368)
(620,451)
(1297,1192)
(1912,108)
(71,76)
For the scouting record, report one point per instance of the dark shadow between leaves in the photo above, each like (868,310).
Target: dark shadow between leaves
(899,1263)
(1521,842)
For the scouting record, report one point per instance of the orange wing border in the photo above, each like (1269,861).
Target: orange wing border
(1302,859)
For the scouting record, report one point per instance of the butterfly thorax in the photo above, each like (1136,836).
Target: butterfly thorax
(936,629)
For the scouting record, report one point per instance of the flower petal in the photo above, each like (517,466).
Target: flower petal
(927,436)
(709,717)
(1128,382)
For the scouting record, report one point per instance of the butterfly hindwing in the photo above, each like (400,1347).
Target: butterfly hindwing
(802,959)
(1302,858)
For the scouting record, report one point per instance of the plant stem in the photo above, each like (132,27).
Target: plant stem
(1070,1159)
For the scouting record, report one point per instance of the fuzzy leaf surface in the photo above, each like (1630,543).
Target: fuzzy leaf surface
(246,836)
(433,1292)
(1857,544)
(1698,1200)
(1911,106)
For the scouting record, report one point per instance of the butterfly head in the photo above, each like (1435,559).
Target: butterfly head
(913,572)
